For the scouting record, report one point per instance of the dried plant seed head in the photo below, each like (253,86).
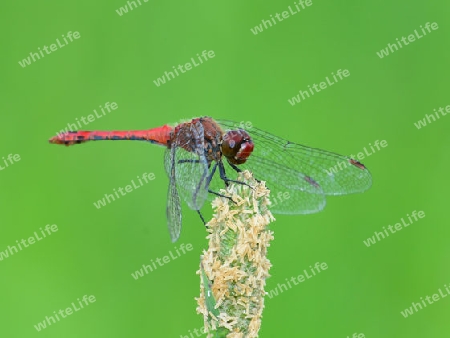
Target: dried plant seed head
(234,269)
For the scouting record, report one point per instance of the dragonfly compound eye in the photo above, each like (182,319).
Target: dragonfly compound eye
(237,146)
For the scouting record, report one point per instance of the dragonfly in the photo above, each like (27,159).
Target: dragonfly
(203,152)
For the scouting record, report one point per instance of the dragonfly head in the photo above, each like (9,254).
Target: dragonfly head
(237,145)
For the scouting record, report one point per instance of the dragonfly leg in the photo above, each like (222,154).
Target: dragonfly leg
(235,167)
(224,177)
(213,170)
(240,170)
(220,195)
(201,217)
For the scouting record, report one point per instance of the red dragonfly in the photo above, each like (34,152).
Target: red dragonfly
(195,150)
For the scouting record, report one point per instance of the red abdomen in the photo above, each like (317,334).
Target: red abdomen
(160,135)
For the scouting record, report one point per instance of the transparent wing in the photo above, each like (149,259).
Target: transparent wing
(173,209)
(302,171)
(191,172)
(336,174)
(286,194)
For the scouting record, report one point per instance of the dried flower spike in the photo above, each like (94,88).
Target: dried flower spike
(234,269)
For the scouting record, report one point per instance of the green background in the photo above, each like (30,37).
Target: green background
(250,79)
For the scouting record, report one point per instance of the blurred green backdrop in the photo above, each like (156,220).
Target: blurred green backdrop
(251,77)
